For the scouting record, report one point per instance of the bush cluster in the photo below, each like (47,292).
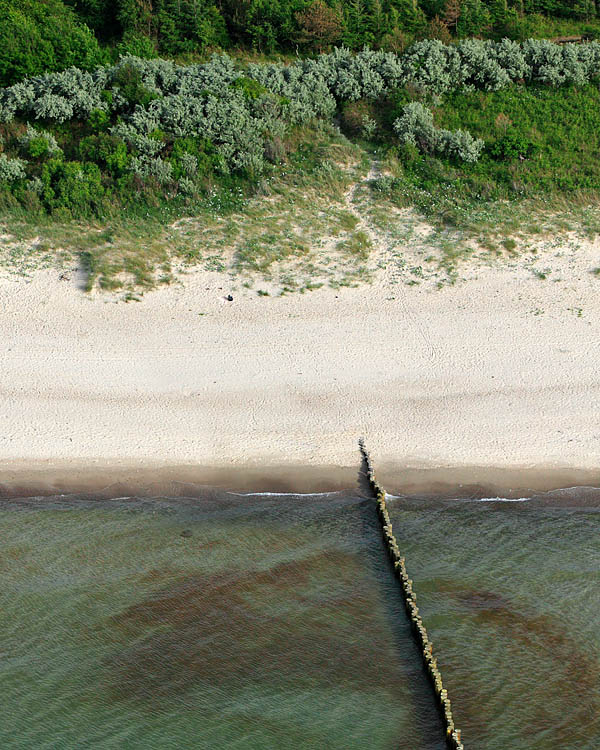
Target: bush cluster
(12,169)
(152,122)
(473,64)
(416,127)
(39,143)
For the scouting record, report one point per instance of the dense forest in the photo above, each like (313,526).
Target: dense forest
(38,36)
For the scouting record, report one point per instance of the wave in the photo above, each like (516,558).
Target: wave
(283,494)
(501,499)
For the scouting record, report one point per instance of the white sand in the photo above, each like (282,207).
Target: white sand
(501,370)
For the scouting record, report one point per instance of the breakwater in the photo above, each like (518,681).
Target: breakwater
(453,735)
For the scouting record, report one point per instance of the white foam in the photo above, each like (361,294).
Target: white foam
(281,494)
(388,496)
(501,499)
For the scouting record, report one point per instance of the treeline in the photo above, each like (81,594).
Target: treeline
(38,36)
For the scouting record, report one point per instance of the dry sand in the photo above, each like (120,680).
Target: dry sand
(499,373)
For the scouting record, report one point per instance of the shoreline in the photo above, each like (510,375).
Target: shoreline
(106,480)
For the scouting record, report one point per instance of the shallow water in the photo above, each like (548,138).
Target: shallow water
(268,621)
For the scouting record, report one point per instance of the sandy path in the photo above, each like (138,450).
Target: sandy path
(502,370)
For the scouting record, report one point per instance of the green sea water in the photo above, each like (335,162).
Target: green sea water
(273,621)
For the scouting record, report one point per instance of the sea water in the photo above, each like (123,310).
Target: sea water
(274,621)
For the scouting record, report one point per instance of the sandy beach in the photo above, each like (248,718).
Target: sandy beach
(498,373)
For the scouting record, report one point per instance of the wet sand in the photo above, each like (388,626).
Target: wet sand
(28,479)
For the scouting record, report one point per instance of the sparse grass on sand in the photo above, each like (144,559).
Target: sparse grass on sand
(294,231)
(332,215)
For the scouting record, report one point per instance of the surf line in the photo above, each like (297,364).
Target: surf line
(453,737)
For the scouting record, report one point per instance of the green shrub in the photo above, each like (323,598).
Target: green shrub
(39,143)
(106,150)
(106,96)
(11,169)
(98,120)
(128,78)
(460,145)
(201,150)
(137,45)
(156,168)
(73,186)
(250,88)
(37,148)
(512,146)
(415,127)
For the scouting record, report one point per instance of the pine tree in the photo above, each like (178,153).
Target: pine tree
(99,15)
(358,23)
(584,9)
(474,19)
(379,25)
(437,29)
(320,25)
(394,40)
(451,13)
(135,16)
(410,15)
(189,25)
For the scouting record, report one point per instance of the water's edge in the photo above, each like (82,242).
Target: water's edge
(24,479)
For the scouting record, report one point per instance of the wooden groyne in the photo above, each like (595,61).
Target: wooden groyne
(410,601)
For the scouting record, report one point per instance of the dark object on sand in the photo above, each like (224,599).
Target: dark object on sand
(229,298)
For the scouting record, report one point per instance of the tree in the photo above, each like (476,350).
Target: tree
(451,13)
(234,12)
(437,29)
(395,41)
(409,15)
(320,25)
(262,24)
(266,24)
(584,9)
(40,36)
(499,12)
(474,18)
(358,20)
(189,25)
(99,15)
(135,16)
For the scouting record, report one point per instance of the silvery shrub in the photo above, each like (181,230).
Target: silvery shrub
(11,169)
(415,126)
